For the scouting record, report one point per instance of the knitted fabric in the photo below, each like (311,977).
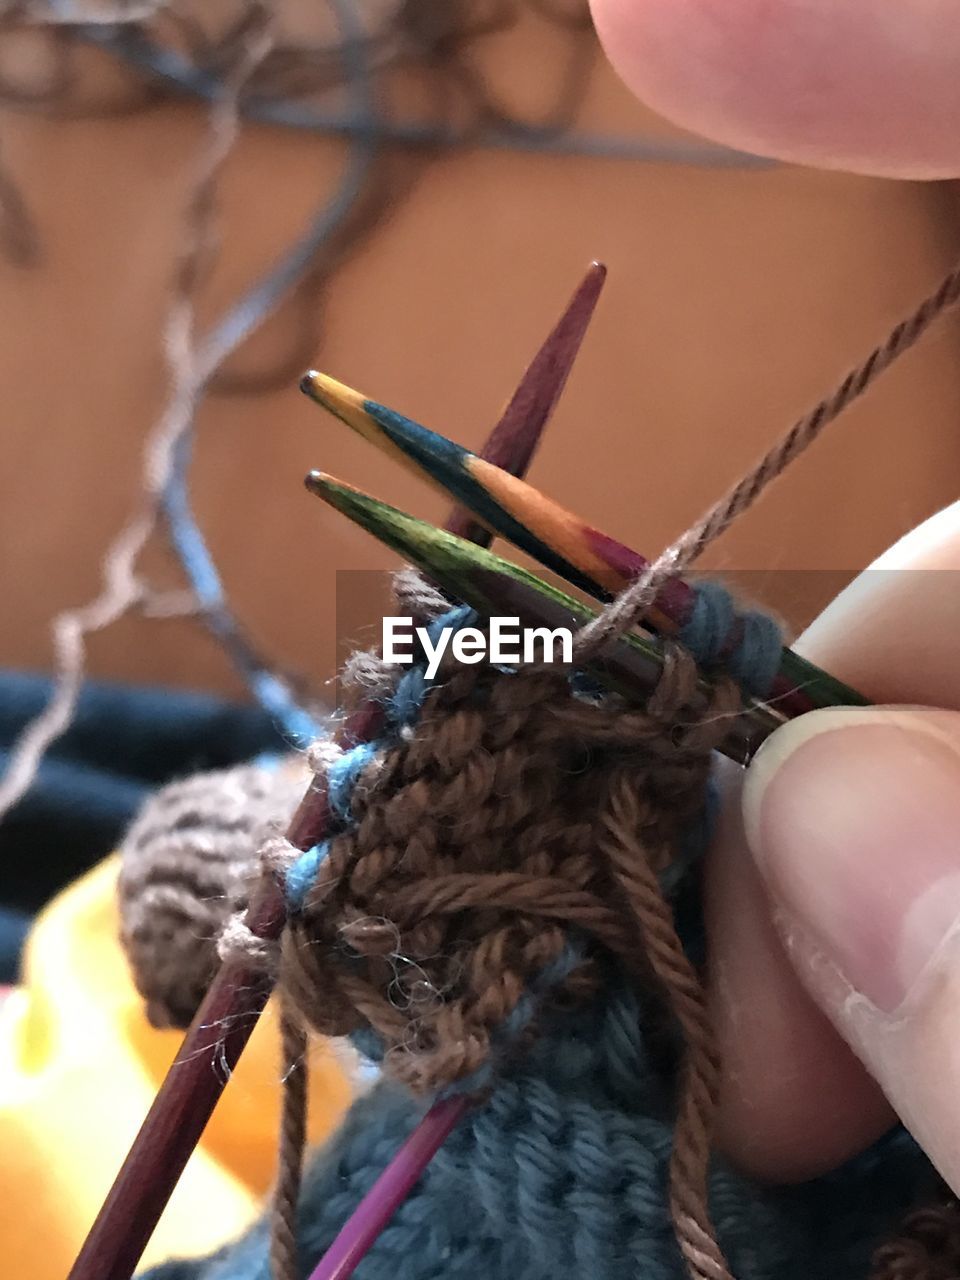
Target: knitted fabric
(562,1173)
(188,864)
(121,745)
(539,993)
(473,878)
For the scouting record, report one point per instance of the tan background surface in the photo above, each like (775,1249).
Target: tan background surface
(734,299)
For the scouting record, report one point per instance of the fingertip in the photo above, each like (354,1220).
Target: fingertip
(798,80)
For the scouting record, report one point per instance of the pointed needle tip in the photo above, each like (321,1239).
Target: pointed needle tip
(323,484)
(342,401)
(307,382)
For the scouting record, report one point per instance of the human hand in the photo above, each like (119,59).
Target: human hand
(833,889)
(840,84)
(850,891)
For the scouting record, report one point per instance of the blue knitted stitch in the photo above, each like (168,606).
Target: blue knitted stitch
(342,777)
(302,873)
(413,686)
(561,1174)
(711,620)
(755,659)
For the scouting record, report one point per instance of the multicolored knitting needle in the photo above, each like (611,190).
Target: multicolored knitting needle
(493,586)
(513,441)
(557,538)
(238,994)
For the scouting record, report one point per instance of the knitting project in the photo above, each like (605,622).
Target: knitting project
(491,917)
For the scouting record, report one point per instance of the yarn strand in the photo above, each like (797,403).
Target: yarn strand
(123,589)
(633,602)
(284,1260)
(690,1160)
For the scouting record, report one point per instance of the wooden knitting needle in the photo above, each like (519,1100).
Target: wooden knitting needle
(557,538)
(223,1024)
(494,586)
(513,440)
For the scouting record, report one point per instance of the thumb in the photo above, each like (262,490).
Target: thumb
(853,817)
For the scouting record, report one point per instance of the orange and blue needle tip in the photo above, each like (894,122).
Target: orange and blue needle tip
(353,408)
(587,558)
(485,490)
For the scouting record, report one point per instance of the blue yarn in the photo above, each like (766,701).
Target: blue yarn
(711,621)
(561,1173)
(231,329)
(453,619)
(301,875)
(402,709)
(413,686)
(404,703)
(342,776)
(192,81)
(755,659)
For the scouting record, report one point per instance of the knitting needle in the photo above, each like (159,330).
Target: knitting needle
(238,993)
(494,586)
(560,540)
(391,1188)
(515,437)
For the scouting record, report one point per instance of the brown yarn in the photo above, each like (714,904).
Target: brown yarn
(472,854)
(634,601)
(187,866)
(284,1260)
(926,1248)
(415,928)
(623,818)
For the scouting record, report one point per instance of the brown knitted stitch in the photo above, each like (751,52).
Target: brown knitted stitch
(473,853)
(187,865)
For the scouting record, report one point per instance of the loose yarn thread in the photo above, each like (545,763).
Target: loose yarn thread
(242,77)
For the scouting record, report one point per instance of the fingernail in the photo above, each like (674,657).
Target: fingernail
(853,816)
